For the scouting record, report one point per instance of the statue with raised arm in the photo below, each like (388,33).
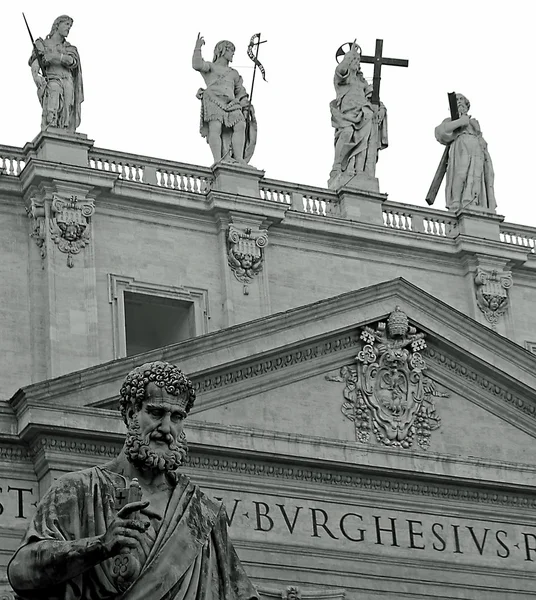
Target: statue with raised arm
(470,175)
(59,87)
(225,107)
(134,528)
(360,126)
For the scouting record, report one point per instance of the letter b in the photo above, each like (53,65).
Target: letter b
(263,515)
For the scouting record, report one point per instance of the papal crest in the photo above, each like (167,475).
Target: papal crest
(387,391)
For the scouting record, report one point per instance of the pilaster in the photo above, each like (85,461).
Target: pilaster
(243,239)
(63,289)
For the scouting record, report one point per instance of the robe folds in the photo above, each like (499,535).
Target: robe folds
(470,175)
(360,127)
(68,86)
(191,557)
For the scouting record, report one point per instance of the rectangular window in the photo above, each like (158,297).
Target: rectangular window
(147,315)
(152,322)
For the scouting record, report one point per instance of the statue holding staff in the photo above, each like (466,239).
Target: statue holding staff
(225,105)
(57,73)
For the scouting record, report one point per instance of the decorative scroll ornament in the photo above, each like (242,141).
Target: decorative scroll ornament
(388,393)
(492,293)
(246,253)
(36,213)
(69,225)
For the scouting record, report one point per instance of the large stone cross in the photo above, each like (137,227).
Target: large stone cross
(378,60)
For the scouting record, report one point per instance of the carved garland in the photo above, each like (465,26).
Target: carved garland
(387,392)
(245,253)
(36,213)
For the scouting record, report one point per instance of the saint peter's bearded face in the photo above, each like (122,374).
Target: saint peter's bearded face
(155,440)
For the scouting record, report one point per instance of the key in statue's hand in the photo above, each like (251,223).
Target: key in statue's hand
(124,533)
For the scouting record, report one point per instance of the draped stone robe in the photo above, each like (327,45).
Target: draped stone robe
(191,557)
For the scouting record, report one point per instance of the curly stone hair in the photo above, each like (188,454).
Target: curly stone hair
(164,375)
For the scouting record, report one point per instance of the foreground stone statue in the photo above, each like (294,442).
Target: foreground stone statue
(360,126)
(225,107)
(60,88)
(470,176)
(168,541)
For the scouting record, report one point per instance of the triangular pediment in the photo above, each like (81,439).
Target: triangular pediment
(278,380)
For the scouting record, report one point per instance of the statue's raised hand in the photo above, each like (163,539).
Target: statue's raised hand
(199,42)
(125,533)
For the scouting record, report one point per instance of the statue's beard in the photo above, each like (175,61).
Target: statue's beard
(142,456)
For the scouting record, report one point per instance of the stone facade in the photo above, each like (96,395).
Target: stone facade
(318,508)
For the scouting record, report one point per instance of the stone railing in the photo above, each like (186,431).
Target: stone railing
(144,169)
(417,219)
(303,198)
(519,235)
(12,160)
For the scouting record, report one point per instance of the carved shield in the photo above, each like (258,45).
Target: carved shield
(392,389)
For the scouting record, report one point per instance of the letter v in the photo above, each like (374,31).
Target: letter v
(475,540)
(230,518)
(290,526)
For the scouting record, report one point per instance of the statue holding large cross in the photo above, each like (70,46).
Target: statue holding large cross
(359,118)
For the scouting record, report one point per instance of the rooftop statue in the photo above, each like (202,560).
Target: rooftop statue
(134,528)
(57,73)
(225,106)
(469,168)
(360,126)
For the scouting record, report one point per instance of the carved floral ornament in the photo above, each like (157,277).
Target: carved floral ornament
(492,294)
(387,391)
(245,253)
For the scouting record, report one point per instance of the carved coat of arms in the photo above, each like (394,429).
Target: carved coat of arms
(387,392)
(246,253)
(492,293)
(69,225)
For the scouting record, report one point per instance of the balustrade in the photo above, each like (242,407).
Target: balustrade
(12,160)
(305,199)
(519,235)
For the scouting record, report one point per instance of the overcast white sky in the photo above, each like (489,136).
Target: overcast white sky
(140,87)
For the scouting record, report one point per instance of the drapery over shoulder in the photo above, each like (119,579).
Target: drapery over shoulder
(470,175)
(191,558)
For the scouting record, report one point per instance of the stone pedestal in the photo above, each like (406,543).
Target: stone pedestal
(235,178)
(479,223)
(56,145)
(358,181)
(361,205)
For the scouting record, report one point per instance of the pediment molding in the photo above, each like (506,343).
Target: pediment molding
(509,403)
(234,381)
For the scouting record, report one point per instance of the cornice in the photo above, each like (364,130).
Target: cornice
(59,451)
(37,170)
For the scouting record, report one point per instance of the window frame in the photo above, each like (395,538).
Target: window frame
(119,284)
